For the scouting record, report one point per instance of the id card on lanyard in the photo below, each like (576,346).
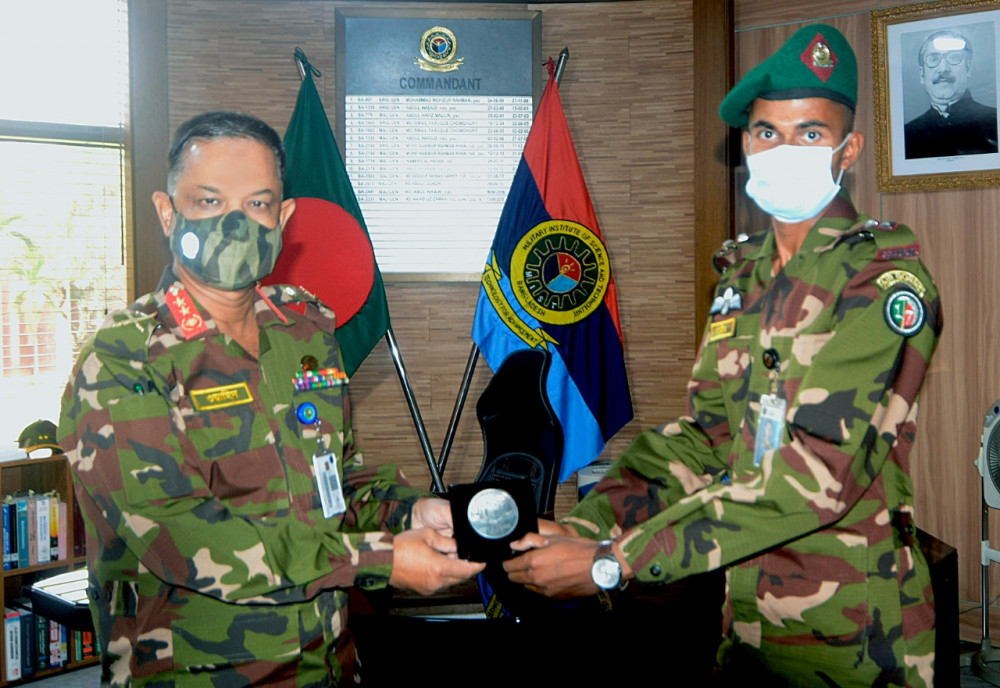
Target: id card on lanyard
(770,426)
(331,493)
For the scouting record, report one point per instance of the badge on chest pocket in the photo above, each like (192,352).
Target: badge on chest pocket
(770,426)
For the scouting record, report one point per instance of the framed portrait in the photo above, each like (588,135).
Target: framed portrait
(936,82)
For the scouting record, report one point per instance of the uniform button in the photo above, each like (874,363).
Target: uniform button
(771,359)
(656,570)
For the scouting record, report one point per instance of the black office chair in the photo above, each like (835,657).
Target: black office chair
(522,438)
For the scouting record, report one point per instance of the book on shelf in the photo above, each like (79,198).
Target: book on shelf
(35,529)
(12,643)
(23,543)
(28,638)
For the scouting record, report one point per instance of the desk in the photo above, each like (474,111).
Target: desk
(678,626)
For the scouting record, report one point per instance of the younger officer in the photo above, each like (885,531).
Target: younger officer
(791,469)
(209,433)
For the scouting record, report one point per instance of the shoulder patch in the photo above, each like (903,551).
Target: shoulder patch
(904,312)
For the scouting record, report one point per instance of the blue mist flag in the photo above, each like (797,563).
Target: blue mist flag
(548,283)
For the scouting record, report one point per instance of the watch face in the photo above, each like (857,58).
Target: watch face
(493,513)
(607,573)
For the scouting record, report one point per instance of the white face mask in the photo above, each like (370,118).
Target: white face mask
(793,183)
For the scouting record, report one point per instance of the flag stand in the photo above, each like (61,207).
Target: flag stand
(470,366)
(397,357)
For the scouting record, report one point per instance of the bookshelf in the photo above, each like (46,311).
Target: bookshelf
(50,475)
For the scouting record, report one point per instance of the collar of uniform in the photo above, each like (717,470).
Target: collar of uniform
(838,217)
(198,323)
(201,323)
(267,307)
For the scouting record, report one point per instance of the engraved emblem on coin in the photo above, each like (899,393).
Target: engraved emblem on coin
(493,513)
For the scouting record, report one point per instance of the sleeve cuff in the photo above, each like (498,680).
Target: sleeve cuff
(372,560)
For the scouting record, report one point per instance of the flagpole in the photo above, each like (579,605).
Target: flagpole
(411,401)
(470,366)
(302,62)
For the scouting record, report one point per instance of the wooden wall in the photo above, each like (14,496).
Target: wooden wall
(961,247)
(628,96)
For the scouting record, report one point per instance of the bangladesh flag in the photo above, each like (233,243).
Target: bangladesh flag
(325,246)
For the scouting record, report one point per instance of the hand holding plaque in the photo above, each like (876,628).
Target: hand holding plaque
(488,516)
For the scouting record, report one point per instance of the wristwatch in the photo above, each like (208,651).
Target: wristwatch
(606,572)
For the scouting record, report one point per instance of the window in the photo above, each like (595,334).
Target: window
(64,76)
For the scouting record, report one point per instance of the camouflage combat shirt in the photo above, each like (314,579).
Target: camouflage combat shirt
(825,585)
(210,560)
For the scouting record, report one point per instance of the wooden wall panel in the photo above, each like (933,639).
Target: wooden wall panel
(627,93)
(762,13)
(961,248)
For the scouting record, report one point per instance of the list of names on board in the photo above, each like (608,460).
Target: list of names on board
(429,169)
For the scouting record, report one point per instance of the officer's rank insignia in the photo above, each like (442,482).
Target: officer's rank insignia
(438,46)
(888,280)
(898,253)
(731,300)
(724,329)
(904,312)
(819,58)
(221,397)
(185,312)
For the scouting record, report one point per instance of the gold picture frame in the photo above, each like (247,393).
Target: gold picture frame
(917,147)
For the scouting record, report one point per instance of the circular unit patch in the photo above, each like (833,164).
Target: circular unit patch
(438,45)
(904,312)
(559,272)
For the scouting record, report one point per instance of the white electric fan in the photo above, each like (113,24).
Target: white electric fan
(989,468)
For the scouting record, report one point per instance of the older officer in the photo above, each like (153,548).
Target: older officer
(954,124)
(791,468)
(209,432)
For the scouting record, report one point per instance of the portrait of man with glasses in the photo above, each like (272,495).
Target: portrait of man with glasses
(954,124)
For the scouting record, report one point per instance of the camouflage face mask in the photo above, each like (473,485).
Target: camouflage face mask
(228,251)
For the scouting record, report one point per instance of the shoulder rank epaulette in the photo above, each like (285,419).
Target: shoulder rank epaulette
(894,241)
(127,332)
(732,251)
(299,299)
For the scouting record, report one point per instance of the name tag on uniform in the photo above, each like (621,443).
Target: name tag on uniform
(770,426)
(331,494)
(221,397)
(724,329)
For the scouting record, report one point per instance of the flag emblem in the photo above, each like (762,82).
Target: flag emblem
(560,272)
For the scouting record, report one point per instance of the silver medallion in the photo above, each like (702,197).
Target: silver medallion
(492,513)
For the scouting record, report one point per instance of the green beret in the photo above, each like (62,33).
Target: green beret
(817,61)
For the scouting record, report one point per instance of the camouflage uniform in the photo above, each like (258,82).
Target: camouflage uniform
(825,585)
(210,560)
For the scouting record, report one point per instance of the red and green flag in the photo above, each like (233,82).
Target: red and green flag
(325,246)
